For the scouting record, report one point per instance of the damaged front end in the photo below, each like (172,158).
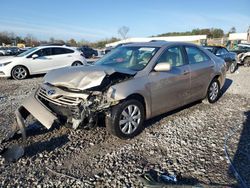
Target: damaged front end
(58,101)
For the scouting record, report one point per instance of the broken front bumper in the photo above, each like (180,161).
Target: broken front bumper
(34,107)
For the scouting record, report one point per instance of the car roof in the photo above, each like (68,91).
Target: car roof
(54,46)
(158,44)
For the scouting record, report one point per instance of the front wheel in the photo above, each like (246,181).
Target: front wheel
(213,92)
(126,119)
(19,72)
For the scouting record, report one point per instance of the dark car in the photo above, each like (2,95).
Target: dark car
(88,52)
(13,50)
(229,57)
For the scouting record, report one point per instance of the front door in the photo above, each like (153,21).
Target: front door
(170,89)
(42,63)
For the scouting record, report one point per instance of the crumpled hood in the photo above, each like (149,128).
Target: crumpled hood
(81,77)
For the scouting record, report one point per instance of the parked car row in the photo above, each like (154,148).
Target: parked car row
(10,50)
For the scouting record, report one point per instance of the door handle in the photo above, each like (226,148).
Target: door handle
(185,72)
(69,56)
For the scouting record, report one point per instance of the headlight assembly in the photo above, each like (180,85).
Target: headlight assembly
(4,64)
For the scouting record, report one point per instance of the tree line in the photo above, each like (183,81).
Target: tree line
(210,32)
(30,40)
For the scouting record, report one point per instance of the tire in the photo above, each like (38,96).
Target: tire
(233,67)
(213,92)
(77,63)
(126,127)
(246,62)
(19,72)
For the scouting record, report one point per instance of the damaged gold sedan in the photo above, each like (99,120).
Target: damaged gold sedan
(132,83)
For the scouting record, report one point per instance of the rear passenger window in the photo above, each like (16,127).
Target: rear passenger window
(195,55)
(59,51)
(68,51)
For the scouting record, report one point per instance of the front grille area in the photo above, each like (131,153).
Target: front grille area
(60,100)
(63,106)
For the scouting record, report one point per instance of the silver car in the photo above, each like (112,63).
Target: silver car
(130,84)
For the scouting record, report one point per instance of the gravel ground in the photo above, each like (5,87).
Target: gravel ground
(188,142)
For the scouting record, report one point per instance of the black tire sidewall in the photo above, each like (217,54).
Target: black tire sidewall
(12,72)
(219,92)
(112,122)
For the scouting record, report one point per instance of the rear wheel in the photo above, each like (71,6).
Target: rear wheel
(233,67)
(19,72)
(246,61)
(213,92)
(126,119)
(77,63)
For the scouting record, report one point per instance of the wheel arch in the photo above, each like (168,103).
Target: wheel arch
(77,61)
(220,79)
(141,99)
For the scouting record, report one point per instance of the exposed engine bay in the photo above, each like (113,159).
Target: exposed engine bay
(79,107)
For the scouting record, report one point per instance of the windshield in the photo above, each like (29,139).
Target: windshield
(134,58)
(27,52)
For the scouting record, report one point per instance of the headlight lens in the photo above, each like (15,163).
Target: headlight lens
(4,64)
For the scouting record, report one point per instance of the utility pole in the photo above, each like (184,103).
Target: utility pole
(248,35)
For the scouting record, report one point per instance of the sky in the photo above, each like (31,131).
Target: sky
(94,20)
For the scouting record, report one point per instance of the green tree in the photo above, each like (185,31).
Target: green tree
(72,42)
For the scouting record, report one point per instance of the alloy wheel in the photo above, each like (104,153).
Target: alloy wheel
(20,73)
(130,119)
(213,91)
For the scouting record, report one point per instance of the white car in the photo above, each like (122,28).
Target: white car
(40,60)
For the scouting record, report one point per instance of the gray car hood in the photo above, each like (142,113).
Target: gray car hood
(81,77)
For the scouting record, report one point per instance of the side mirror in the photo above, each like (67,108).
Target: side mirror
(162,67)
(34,56)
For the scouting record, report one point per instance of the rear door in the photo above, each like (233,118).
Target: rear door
(202,68)
(62,57)
(170,89)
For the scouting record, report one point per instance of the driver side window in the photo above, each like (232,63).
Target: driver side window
(42,52)
(173,56)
